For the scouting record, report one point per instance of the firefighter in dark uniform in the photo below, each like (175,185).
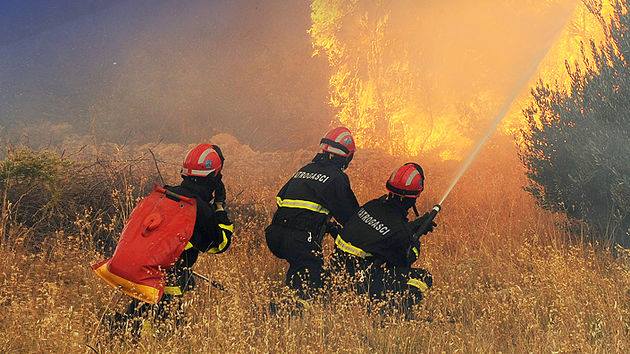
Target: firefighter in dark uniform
(201,180)
(378,245)
(314,195)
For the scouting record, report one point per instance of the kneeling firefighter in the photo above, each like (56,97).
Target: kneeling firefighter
(378,245)
(165,234)
(313,196)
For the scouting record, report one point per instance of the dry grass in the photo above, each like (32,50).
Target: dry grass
(506,278)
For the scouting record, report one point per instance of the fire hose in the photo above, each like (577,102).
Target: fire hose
(213,283)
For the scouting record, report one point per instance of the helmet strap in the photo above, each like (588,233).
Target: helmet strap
(402,192)
(415,211)
(335,145)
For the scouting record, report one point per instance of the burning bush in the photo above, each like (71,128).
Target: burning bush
(576,148)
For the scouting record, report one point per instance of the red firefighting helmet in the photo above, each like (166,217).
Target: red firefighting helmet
(203,160)
(407,181)
(339,141)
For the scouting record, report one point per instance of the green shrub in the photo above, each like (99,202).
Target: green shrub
(577,145)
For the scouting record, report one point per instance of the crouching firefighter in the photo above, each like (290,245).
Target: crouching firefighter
(313,196)
(378,245)
(163,237)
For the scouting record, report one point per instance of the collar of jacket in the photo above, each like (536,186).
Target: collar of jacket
(204,192)
(396,205)
(323,159)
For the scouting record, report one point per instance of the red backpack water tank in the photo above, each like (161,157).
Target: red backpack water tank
(153,239)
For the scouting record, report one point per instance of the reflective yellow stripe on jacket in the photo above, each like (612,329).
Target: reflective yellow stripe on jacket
(349,248)
(224,242)
(301,204)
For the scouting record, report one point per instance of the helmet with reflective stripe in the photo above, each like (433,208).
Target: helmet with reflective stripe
(339,141)
(203,160)
(407,181)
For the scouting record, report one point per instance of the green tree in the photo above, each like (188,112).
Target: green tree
(577,145)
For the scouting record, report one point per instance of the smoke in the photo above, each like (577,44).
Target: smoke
(236,66)
(177,71)
(183,71)
(526,77)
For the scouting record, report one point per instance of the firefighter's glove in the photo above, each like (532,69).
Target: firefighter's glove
(418,226)
(333,229)
(222,218)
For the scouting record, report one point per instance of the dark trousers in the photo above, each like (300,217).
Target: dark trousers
(391,285)
(169,308)
(303,251)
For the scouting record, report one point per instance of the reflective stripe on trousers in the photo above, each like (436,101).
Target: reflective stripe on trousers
(417,283)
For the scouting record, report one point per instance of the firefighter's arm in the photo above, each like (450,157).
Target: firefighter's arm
(219,192)
(416,230)
(225,228)
(401,252)
(414,252)
(419,228)
(411,243)
(342,202)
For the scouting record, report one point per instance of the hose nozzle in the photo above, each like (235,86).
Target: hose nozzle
(427,222)
(433,213)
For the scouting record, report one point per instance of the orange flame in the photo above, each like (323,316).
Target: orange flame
(399,83)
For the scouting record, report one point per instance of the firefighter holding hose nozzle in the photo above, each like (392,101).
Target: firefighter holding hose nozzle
(378,245)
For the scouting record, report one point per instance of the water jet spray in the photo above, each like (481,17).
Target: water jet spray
(505,109)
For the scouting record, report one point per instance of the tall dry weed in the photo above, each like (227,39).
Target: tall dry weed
(507,275)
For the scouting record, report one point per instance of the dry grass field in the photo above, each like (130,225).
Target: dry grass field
(507,276)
